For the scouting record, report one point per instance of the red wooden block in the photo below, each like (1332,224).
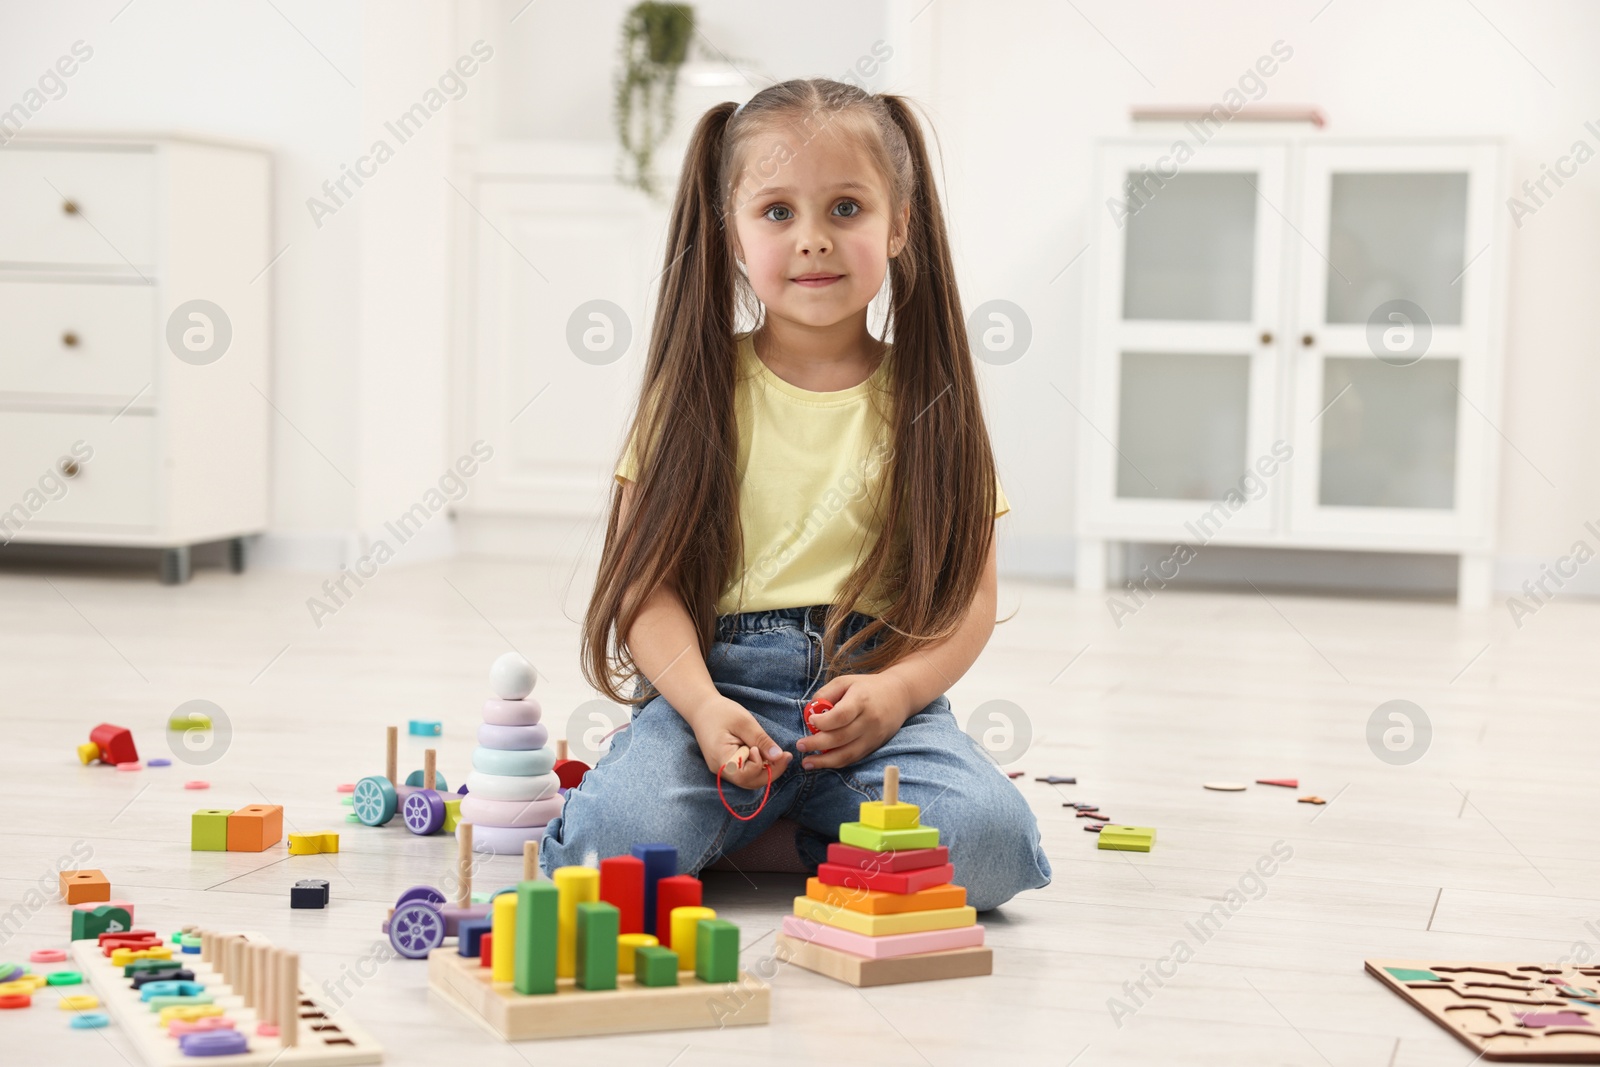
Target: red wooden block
(886,881)
(108,947)
(116,743)
(77,887)
(622,884)
(909,859)
(486,950)
(123,935)
(679,891)
(570,772)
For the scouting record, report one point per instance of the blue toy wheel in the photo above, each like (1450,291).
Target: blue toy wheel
(415,929)
(425,893)
(423,812)
(374,800)
(414,779)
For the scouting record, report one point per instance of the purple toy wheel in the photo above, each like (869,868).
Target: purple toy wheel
(424,812)
(415,929)
(425,893)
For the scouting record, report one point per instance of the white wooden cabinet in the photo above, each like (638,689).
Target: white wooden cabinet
(129,414)
(1293,341)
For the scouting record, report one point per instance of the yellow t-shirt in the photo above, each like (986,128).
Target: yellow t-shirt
(809,466)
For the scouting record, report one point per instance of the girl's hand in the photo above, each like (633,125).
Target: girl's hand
(867,710)
(722,727)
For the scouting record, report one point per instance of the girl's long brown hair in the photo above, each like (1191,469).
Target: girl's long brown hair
(938,491)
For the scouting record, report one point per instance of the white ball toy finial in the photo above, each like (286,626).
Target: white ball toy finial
(511,677)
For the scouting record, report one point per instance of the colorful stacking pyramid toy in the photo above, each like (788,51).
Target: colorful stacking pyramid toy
(882,909)
(511,793)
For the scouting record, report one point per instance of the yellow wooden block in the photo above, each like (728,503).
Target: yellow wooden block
(81,1002)
(503,925)
(575,885)
(684,935)
(188,1012)
(627,945)
(881,816)
(910,922)
(452,816)
(305,844)
(124,956)
(88,752)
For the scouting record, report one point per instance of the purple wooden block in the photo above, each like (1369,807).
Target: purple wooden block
(213,1043)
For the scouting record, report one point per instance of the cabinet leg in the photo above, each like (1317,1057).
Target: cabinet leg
(175,565)
(1091,573)
(1474,581)
(236,555)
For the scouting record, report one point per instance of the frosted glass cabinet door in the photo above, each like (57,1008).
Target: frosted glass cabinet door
(1191,250)
(1181,425)
(1396,237)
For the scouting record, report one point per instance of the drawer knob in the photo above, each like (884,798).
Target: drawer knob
(1308,340)
(69,468)
(1266,337)
(69,207)
(69,339)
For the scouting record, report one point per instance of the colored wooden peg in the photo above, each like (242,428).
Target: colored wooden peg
(537,935)
(391,763)
(575,885)
(628,946)
(622,884)
(684,922)
(679,891)
(716,952)
(79,887)
(655,966)
(660,861)
(597,945)
(503,964)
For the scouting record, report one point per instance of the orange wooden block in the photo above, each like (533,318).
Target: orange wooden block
(78,887)
(255,828)
(873,902)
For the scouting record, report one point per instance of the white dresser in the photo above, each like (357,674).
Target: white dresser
(134,364)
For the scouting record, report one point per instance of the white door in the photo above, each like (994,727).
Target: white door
(1393,384)
(1181,373)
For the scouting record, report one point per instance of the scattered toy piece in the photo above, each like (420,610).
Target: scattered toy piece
(1086,807)
(1287,783)
(197,785)
(90,1020)
(78,887)
(88,752)
(189,720)
(1226,787)
(309,893)
(15,1000)
(159,761)
(64,978)
(1094,827)
(133,765)
(266,1030)
(115,742)
(1128,838)
(425,728)
(313,844)
(1015,774)
(1056,779)
(47,955)
(347,787)
(255,827)
(1094,815)
(81,1002)
(1312,800)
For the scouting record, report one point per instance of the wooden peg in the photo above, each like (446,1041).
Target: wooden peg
(392,761)
(289,990)
(530,861)
(430,760)
(891,785)
(270,998)
(561,749)
(464,864)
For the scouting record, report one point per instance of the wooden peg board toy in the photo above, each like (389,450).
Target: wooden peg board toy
(248,988)
(1527,1012)
(882,910)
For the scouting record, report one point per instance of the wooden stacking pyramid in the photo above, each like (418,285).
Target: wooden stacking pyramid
(882,910)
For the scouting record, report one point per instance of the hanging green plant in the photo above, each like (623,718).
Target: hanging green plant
(655,42)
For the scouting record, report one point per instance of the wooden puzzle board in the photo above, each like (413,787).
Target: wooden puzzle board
(325,1039)
(574,1012)
(1529,1012)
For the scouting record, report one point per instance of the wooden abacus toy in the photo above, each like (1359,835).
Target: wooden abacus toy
(882,910)
(424,802)
(237,998)
(623,949)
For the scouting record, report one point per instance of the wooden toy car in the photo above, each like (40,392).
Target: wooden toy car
(421,920)
(424,808)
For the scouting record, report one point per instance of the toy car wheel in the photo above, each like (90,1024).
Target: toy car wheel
(415,929)
(414,779)
(374,800)
(425,893)
(424,812)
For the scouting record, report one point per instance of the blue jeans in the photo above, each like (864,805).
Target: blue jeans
(653,786)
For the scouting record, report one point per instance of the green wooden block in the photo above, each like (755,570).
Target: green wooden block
(534,968)
(716,951)
(89,924)
(863,836)
(1127,838)
(655,966)
(133,967)
(598,922)
(157,1003)
(208,830)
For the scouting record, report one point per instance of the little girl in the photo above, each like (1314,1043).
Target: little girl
(746,571)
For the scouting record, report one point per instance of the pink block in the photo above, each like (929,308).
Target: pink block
(886,947)
(177,1027)
(511,712)
(93,904)
(480,812)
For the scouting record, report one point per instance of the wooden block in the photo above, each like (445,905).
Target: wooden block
(868,837)
(885,947)
(883,881)
(684,942)
(255,828)
(309,893)
(83,887)
(660,861)
(115,744)
(628,946)
(106,918)
(208,830)
(861,971)
(622,884)
(872,902)
(597,945)
(537,935)
(679,891)
(504,933)
(313,844)
(716,950)
(469,935)
(1127,838)
(123,956)
(907,859)
(655,966)
(88,752)
(881,816)
(573,1012)
(576,885)
(452,814)
(878,925)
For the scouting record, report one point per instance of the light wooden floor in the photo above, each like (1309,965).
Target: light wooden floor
(1483,849)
